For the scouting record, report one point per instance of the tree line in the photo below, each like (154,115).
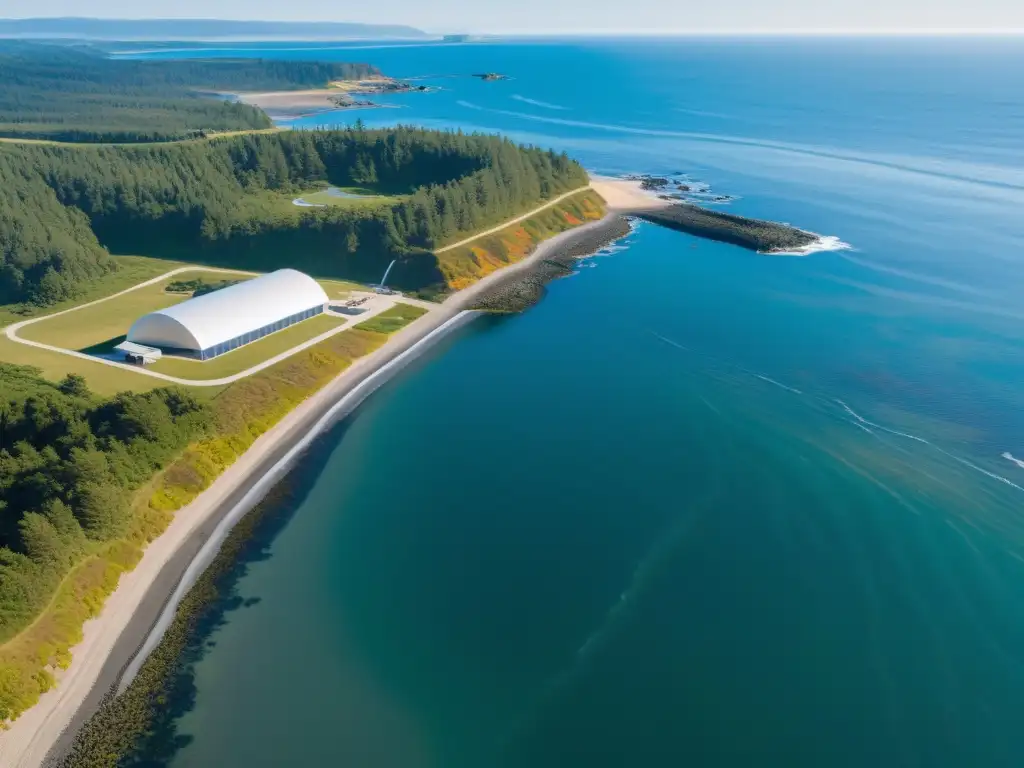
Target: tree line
(70,94)
(69,462)
(228,202)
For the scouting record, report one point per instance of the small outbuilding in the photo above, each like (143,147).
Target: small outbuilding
(214,323)
(138,354)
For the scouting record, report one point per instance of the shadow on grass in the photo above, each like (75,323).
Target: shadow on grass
(104,347)
(163,741)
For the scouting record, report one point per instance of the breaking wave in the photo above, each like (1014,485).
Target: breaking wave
(823,243)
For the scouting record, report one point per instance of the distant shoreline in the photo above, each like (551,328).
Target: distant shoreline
(341,96)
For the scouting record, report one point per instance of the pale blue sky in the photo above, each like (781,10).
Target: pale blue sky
(555,16)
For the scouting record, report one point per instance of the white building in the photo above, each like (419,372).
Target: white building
(217,322)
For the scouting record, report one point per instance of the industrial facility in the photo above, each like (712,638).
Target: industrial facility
(214,323)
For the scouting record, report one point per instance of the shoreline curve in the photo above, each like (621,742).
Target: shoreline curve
(112,641)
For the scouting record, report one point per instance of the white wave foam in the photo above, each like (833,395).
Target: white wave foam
(943,451)
(777,384)
(821,244)
(1010,457)
(538,102)
(675,344)
(969,173)
(861,426)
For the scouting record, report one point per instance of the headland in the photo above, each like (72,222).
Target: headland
(133,618)
(42,734)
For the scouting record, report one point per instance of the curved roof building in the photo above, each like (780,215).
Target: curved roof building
(217,322)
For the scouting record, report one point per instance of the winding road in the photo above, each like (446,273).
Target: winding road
(516,220)
(11,331)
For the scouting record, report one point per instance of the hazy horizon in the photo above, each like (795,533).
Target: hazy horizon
(573,17)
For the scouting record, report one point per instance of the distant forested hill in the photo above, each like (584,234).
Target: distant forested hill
(183,29)
(66,94)
(228,201)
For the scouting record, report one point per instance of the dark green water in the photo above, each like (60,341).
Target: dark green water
(698,507)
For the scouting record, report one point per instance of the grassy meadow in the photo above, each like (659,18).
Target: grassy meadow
(352,197)
(95,328)
(251,354)
(131,270)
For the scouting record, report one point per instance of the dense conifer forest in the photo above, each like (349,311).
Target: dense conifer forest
(228,202)
(68,94)
(68,464)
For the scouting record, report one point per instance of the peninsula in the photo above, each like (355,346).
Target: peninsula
(150,478)
(338,95)
(356,362)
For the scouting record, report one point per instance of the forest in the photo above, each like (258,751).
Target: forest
(86,482)
(228,202)
(73,94)
(69,462)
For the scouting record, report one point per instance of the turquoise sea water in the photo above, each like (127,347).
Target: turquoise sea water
(699,506)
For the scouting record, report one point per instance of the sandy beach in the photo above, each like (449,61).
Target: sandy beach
(298,103)
(130,613)
(293,103)
(626,195)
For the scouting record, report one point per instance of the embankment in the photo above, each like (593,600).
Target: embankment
(125,700)
(555,258)
(467,264)
(147,596)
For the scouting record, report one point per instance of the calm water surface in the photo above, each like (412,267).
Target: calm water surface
(698,507)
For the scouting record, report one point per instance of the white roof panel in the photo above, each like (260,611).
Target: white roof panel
(204,321)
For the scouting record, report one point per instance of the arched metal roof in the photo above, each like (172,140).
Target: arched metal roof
(208,320)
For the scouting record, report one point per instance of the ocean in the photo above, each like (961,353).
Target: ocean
(699,506)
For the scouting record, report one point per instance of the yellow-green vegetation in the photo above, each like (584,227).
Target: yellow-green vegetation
(64,540)
(103,379)
(238,360)
(39,643)
(129,271)
(466,264)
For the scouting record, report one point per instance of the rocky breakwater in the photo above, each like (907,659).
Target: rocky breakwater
(755,234)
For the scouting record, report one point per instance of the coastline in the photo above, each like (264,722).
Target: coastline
(113,639)
(338,97)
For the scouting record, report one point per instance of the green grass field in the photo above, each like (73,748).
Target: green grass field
(352,197)
(238,360)
(90,327)
(93,329)
(132,270)
(390,320)
(340,289)
(102,379)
